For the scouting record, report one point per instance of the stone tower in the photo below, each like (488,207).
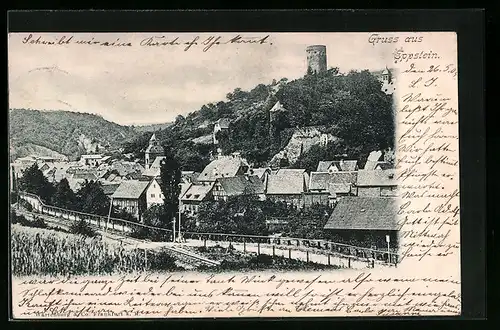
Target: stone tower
(316,58)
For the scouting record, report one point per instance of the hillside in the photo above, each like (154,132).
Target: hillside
(151,127)
(349,108)
(49,133)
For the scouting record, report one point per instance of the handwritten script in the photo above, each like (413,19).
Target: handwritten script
(206,43)
(242,295)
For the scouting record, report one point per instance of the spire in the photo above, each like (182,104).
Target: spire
(153,137)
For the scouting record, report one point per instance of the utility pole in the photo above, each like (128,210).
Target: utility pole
(173,224)
(179,228)
(109,215)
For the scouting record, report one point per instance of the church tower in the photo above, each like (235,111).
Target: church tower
(153,150)
(316,58)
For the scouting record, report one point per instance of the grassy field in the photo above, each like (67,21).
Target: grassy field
(37,251)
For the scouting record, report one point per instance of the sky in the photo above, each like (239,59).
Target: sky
(145,84)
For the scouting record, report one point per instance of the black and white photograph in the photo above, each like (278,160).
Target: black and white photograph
(169,154)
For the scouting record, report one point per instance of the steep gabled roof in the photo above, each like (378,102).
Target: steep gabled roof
(242,185)
(287,182)
(364,213)
(197,193)
(222,167)
(130,189)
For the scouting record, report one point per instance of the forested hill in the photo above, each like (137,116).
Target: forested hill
(50,133)
(350,107)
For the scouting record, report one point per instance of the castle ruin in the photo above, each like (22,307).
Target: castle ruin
(316,58)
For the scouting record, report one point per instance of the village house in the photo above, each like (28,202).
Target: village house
(288,185)
(28,161)
(365,222)
(376,183)
(336,183)
(244,185)
(337,166)
(153,150)
(154,194)
(328,187)
(222,167)
(194,195)
(50,159)
(91,160)
(131,196)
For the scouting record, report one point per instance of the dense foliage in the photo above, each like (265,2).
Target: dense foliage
(238,215)
(62,131)
(349,106)
(33,181)
(170,175)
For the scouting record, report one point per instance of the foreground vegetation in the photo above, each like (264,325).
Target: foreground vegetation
(233,260)
(37,251)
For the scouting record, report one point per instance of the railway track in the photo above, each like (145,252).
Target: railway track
(191,258)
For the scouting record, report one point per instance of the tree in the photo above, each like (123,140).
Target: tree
(309,223)
(154,215)
(33,181)
(92,199)
(64,197)
(170,174)
(179,120)
(238,215)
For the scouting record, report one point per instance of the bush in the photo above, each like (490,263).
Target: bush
(162,261)
(81,227)
(150,234)
(26,205)
(21,220)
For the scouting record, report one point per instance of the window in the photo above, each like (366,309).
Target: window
(152,195)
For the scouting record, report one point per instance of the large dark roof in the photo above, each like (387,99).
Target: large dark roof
(364,213)
(130,189)
(242,185)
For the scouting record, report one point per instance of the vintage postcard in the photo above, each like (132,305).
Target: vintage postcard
(192,175)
